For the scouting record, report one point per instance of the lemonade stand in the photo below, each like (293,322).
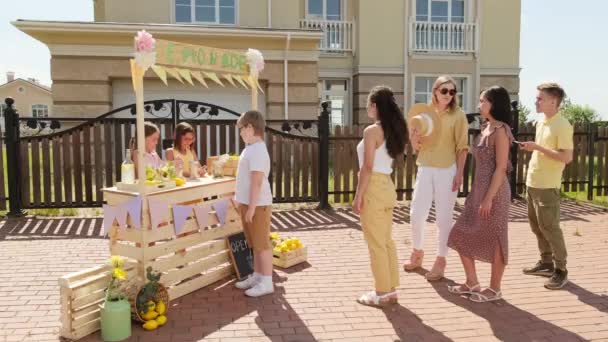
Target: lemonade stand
(175,229)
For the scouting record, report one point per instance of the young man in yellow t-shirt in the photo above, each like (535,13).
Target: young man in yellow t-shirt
(551,151)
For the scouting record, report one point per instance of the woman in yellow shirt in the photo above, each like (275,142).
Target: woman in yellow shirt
(440,173)
(183,149)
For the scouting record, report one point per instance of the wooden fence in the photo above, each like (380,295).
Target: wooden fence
(588,171)
(70,167)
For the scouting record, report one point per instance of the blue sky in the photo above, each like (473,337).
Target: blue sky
(558,43)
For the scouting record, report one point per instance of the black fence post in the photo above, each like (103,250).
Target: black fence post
(591,129)
(12,159)
(514,150)
(324,157)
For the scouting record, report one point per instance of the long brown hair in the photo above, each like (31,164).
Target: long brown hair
(391,119)
(180,130)
(441,80)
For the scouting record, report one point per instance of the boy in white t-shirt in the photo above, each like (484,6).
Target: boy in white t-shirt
(255,202)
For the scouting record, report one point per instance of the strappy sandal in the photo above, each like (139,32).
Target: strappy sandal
(481,298)
(371,298)
(468,290)
(436,273)
(415,261)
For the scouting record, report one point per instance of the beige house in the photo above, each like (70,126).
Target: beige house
(32,99)
(316,50)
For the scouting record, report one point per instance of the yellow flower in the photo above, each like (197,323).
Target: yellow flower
(119,273)
(117,261)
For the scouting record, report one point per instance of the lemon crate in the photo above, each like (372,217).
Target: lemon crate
(81,294)
(229,167)
(290,258)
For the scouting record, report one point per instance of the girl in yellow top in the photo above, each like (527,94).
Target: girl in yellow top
(183,150)
(440,172)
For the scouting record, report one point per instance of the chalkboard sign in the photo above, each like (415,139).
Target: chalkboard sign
(241,255)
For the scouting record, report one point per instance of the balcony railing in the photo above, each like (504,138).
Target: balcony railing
(443,37)
(338,35)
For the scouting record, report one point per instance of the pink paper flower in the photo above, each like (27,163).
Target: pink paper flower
(255,59)
(144,42)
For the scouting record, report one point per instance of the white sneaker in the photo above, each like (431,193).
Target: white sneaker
(260,289)
(250,282)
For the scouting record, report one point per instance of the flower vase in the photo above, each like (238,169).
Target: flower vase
(115,320)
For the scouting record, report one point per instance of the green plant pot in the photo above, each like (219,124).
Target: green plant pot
(116,320)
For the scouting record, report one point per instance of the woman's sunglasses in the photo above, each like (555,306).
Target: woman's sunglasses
(444,91)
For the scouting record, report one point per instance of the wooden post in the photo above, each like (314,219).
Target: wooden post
(254,94)
(324,157)
(13,162)
(137,74)
(514,150)
(591,128)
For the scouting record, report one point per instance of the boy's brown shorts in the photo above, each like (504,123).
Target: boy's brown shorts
(257,232)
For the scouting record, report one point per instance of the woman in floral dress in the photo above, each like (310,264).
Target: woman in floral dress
(480,233)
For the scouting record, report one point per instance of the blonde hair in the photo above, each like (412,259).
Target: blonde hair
(149,129)
(441,80)
(255,119)
(554,90)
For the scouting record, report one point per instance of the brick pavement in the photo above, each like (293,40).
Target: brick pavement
(315,301)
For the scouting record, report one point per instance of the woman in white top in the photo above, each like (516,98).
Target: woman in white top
(382,141)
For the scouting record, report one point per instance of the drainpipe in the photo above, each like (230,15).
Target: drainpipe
(269,7)
(477,52)
(286,77)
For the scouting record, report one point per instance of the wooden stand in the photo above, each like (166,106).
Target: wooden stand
(189,261)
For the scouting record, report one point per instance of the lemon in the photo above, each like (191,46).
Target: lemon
(161,320)
(150,325)
(150,315)
(179,181)
(161,307)
(151,305)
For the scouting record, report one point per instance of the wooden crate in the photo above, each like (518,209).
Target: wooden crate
(229,169)
(290,258)
(81,294)
(195,258)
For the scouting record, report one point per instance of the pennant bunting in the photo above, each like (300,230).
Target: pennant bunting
(158,211)
(229,78)
(240,80)
(121,216)
(197,75)
(161,73)
(221,209)
(202,215)
(109,215)
(173,72)
(185,74)
(213,77)
(180,215)
(133,207)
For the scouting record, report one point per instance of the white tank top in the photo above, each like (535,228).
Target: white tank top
(382,160)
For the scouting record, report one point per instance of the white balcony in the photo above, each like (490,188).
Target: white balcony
(439,37)
(338,35)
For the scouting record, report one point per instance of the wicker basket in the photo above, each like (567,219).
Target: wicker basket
(161,294)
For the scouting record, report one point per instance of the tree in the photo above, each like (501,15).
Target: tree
(524,113)
(576,113)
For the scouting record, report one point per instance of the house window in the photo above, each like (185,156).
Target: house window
(336,91)
(440,10)
(325,9)
(40,111)
(423,90)
(206,11)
